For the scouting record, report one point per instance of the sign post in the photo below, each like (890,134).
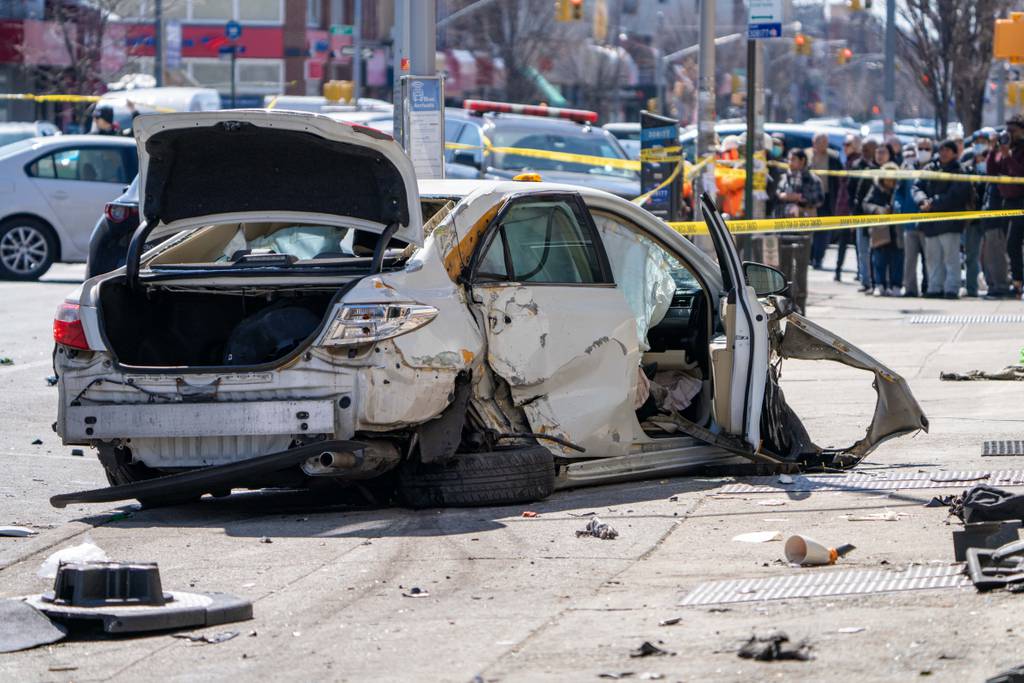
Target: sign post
(656,134)
(764,22)
(233,31)
(764,19)
(423,138)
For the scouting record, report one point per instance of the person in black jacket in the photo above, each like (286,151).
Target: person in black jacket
(942,238)
(886,240)
(821,158)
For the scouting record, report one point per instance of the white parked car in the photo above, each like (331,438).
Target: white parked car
(317,313)
(13,131)
(52,190)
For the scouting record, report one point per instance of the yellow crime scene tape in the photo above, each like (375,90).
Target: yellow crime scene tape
(813,224)
(50,98)
(691,170)
(912,174)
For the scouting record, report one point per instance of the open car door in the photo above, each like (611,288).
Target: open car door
(739,362)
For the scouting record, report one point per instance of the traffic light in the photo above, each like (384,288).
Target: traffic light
(856,6)
(577,9)
(844,55)
(802,44)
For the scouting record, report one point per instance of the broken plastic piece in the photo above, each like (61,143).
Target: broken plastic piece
(22,626)
(210,639)
(999,568)
(16,531)
(128,598)
(988,535)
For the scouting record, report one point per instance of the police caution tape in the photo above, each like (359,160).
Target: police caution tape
(812,224)
(691,170)
(911,174)
(50,98)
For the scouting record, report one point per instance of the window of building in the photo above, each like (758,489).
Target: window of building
(212,73)
(313,12)
(214,10)
(260,10)
(259,75)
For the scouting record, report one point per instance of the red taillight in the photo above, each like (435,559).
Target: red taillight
(67,327)
(578,115)
(119,213)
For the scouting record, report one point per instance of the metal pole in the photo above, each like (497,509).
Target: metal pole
(400,52)
(423,37)
(158,42)
(1000,92)
(357,56)
(889,84)
(706,96)
(234,55)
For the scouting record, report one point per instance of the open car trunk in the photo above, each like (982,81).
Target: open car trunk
(164,326)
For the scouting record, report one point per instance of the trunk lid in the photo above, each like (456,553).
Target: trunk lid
(235,163)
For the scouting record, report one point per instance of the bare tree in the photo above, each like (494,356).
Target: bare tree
(949,44)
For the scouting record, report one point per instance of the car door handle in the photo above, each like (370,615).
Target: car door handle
(60,194)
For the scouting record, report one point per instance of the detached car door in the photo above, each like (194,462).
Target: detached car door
(740,360)
(559,331)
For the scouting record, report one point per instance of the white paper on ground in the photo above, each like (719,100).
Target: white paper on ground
(85,552)
(759,537)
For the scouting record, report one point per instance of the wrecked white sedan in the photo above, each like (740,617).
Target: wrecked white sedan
(317,314)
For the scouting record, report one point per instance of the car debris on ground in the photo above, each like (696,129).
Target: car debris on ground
(23,626)
(983,503)
(758,537)
(17,531)
(1011,373)
(649,649)
(209,639)
(598,529)
(774,646)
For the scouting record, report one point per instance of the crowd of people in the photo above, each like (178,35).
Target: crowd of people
(958,257)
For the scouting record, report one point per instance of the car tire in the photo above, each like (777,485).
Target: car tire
(504,477)
(117,462)
(19,234)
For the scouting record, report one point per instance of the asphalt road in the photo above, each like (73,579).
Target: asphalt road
(523,599)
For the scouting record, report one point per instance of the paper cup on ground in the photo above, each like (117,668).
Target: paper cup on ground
(804,550)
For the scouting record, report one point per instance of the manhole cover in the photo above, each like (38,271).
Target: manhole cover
(1005,447)
(977,319)
(821,584)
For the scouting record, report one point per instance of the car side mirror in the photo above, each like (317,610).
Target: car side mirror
(764,279)
(466,158)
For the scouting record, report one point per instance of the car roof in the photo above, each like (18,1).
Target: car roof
(47,141)
(622,125)
(433,188)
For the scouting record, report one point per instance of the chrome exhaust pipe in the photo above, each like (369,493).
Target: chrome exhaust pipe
(335,460)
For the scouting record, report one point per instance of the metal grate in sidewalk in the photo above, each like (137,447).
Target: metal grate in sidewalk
(1004,447)
(806,583)
(976,319)
(886,481)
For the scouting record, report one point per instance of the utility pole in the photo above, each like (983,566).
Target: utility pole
(706,98)
(889,84)
(1000,93)
(357,55)
(158,42)
(400,63)
(755,123)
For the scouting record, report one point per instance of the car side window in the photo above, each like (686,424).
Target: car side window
(545,241)
(42,167)
(92,164)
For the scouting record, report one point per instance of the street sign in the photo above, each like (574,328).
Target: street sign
(233,30)
(656,134)
(172,45)
(764,19)
(423,99)
(342,30)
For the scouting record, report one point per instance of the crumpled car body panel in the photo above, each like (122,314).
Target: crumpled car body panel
(896,410)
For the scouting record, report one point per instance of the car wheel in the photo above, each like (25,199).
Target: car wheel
(505,477)
(27,249)
(117,462)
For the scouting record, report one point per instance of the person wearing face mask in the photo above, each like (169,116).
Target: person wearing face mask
(858,190)
(994,260)
(800,195)
(1008,159)
(942,238)
(844,198)
(886,245)
(821,158)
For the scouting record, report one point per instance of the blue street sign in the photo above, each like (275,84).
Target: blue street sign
(762,31)
(232,30)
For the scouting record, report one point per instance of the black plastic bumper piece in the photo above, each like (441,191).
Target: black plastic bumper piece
(208,479)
